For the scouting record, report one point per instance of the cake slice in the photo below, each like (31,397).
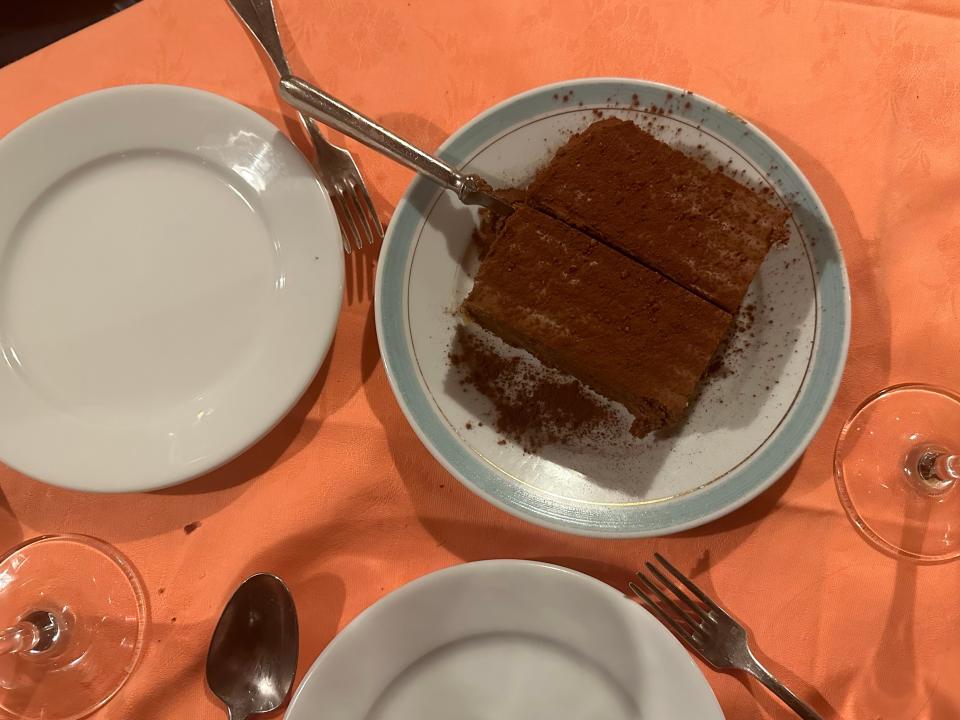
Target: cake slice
(581,307)
(700,228)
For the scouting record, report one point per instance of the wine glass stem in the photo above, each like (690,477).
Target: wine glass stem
(947,467)
(937,471)
(21,637)
(939,466)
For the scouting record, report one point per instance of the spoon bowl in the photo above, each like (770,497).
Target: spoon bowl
(252,658)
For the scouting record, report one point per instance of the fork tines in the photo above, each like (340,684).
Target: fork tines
(357,216)
(709,630)
(340,176)
(689,617)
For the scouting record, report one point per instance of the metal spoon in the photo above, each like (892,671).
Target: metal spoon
(312,101)
(253,654)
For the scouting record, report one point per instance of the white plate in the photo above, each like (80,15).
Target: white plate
(170,281)
(743,431)
(504,640)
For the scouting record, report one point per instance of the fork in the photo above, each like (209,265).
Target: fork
(712,633)
(336,169)
(309,99)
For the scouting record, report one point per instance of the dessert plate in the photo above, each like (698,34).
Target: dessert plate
(504,640)
(745,429)
(170,281)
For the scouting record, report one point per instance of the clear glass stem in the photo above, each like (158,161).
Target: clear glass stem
(76,611)
(21,637)
(947,467)
(934,470)
(897,467)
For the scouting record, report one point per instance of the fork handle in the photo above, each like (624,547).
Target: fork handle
(327,109)
(781,691)
(261,20)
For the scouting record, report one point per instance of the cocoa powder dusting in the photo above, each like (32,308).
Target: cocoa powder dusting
(535,407)
(531,407)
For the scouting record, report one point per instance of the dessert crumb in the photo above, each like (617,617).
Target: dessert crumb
(531,406)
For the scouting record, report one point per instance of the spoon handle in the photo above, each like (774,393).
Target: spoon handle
(313,101)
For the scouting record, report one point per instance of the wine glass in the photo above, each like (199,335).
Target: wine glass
(897,469)
(75,611)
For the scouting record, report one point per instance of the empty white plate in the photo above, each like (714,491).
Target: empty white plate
(170,281)
(504,640)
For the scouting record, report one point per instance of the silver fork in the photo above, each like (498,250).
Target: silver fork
(336,168)
(715,636)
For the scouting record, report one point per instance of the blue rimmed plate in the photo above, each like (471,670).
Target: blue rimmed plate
(748,425)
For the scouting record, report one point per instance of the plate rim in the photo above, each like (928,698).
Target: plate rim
(418,584)
(535,512)
(253,118)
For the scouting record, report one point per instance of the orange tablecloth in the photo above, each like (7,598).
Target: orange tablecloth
(342,500)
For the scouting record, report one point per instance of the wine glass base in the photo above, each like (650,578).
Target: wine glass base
(100,608)
(876,472)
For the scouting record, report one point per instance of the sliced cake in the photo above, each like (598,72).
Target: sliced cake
(628,332)
(702,229)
